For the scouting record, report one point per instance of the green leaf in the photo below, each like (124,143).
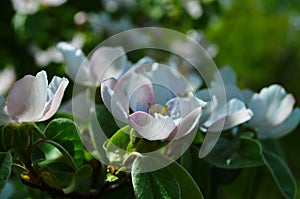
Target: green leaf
(111,178)
(6,141)
(106,120)
(19,136)
(156,184)
(5,168)
(57,115)
(65,115)
(234,154)
(274,146)
(281,174)
(63,133)
(188,187)
(119,140)
(146,146)
(80,174)
(198,168)
(57,174)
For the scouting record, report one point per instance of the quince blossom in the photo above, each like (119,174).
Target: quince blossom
(149,92)
(7,78)
(32,6)
(105,62)
(31,99)
(274,115)
(234,112)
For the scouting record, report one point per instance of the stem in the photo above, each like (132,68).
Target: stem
(19,166)
(64,152)
(35,145)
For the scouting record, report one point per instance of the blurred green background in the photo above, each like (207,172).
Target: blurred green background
(260,40)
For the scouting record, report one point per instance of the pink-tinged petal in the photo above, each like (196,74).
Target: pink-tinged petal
(4,118)
(114,99)
(107,91)
(284,109)
(271,107)
(207,111)
(7,78)
(189,123)
(226,116)
(180,107)
(231,120)
(167,82)
(158,127)
(107,62)
(283,129)
(73,57)
(27,98)
(55,93)
(138,90)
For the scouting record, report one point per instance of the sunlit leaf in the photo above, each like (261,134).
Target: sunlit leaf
(117,145)
(156,184)
(63,132)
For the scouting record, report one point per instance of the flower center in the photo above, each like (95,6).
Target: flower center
(157,108)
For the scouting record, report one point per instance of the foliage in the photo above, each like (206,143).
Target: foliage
(64,156)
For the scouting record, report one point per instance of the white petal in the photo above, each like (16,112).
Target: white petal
(144,61)
(188,123)
(167,82)
(271,107)
(234,113)
(107,62)
(138,90)
(7,78)
(286,127)
(180,107)
(27,98)
(207,111)
(77,66)
(55,93)
(114,99)
(4,118)
(231,121)
(158,127)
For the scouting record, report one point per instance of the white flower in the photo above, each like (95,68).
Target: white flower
(7,78)
(105,62)
(274,113)
(32,6)
(155,96)
(234,112)
(31,99)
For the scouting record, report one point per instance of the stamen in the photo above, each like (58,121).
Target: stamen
(157,108)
